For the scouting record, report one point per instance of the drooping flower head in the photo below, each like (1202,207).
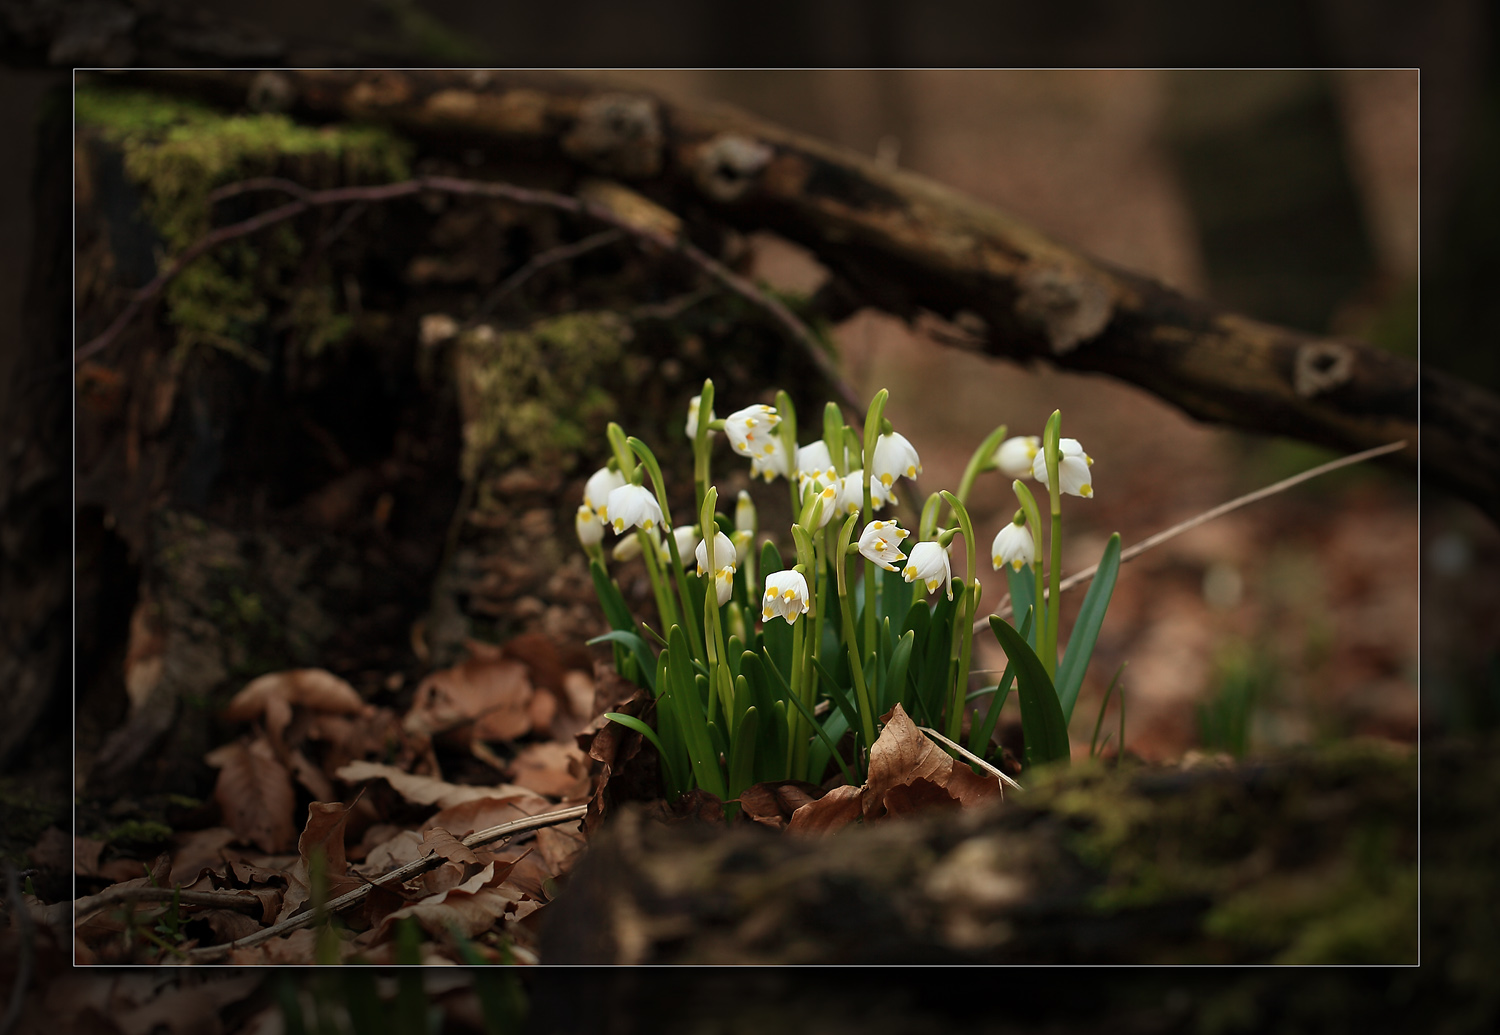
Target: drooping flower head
(687,538)
(744,514)
(629,548)
(815,466)
(725,560)
(597,489)
(1014,546)
(692,420)
(770,462)
(590,529)
(880,542)
(751,430)
(786,596)
(633,506)
(1072,468)
(929,563)
(1015,455)
(895,457)
(852,494)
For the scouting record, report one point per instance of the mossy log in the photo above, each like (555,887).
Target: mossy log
(1305,859)
(907,245)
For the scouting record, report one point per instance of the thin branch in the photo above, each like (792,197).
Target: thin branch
(1131,552)
(970,756)
(209,953)
(241,901)
(539,262)
(306,199)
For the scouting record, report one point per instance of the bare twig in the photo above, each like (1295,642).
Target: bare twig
(210,953)
(91,904)
(970,756)
(26,953)
(539,262)
(305,199)
(1080,577)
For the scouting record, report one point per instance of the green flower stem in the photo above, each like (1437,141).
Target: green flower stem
(1050,439)
(971,601)
(862,692)
(648,460)
(982,460)
(720,679)
(874,419)
(666,606)
(808,697)
(701,445)
(1034,519)
(927,524)
(794,715)
(788,432)
(833,437)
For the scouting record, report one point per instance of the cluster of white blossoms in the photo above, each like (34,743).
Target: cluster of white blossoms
(1022,456)
(751,434)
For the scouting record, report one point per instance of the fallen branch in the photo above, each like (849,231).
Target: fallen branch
(209,953)
(91,904)
(1080,577)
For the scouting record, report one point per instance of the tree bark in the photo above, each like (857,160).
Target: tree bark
(910,246)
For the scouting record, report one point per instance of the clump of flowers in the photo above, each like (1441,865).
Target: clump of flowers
(773,667)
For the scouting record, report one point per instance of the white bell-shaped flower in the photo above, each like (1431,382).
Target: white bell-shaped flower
(770,462)
(744,514)
(786,596)
(743,539)
(1014,546)
(590,529)
(929,563)
(725,560)
(823,510)
(597,489)
(687,539)
(692,421)
(633,506)
(881,541)
(751,429)
(895,457)
(629,548)
(815,466)
(1015,455)
(1072,468)
(852,494)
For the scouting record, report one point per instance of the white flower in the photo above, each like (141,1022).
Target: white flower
(629,548)
(823,510)
(744,513)
(597,489)
(894,458)
(687,538)
(771,461)
(929,562)
(1013,546)
(815,465)
(590,529)
(786,595)
(1072,468)
(751,430)
(692,421)
(725,559)
(1015,455)
(743,539)
(880,542)
(632,506)
(852,494)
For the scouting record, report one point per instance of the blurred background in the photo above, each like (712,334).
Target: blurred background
(1294,196)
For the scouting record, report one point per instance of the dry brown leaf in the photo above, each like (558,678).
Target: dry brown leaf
(560,846)
(198,851)
(323,834)
(900,755)
(481,697)
(773,803)
(310,776)
(423,790)
(481,813)
(228,925)
(838,807)
(255,793)
(314,688)
(397,850)
(472,906)
(552,767)
(919,796)
(295,948)
(438,840)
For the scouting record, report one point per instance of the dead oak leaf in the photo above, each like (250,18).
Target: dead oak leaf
(837,808)
(271,697)
(553,768)
(255,794)
(423,790)
(482,697)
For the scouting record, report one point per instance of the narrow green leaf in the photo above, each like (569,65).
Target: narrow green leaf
(1041,715)
(1022,596)
(742,754)
(837,694)
(631,722)
(640,651)
(610,599)
(981,732)
(895,679)
(832,748)
(1086,630)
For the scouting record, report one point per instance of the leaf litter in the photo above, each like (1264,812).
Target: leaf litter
(324,793)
